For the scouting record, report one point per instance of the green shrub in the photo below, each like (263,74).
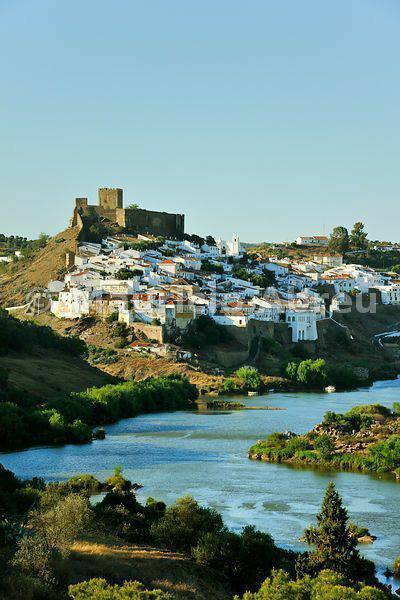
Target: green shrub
(249,378)
(244,558)
(99,589)
(85,483)
(230,386)
(113,317)
(184,523)
(313,374)
(325,446)
(291,371)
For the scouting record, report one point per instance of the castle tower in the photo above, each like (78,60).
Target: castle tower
(110,198)
(81,202)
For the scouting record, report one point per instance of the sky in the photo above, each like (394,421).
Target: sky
(269,119)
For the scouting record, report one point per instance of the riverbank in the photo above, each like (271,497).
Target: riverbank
(25,422)
(365,439)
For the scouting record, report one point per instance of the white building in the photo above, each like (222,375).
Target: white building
(390,294)
(303,324)
(236,320)
(267,310)
(312,240)
(71,304)
(233,248)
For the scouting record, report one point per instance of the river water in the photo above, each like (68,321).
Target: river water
(205,455)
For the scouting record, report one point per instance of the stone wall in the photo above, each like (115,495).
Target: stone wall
(150,221)
(246,341)
(151,332)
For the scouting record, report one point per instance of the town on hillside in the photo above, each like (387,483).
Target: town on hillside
(145,278)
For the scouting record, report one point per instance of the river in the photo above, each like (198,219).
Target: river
(205,455)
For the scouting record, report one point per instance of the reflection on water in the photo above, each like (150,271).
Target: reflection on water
(206,455)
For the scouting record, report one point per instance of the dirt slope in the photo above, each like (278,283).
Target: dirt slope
(46,265)
(51,374)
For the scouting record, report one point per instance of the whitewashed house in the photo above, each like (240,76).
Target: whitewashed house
(390,294)
(71,304)
(312,240)
(303,324)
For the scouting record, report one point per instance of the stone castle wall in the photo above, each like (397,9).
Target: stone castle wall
(133,220)
(151,221)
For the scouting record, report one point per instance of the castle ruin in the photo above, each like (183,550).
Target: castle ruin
(110,210)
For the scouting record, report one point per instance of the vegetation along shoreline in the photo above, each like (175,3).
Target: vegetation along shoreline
(364,439)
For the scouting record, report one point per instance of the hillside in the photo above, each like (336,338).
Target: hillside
(47,264)
(292,251)
(47,374)
(43,364)
(130,365)
(171,572)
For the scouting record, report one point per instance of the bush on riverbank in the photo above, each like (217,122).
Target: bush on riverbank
(366,438)
(70,420)
(249,379)
(317,374)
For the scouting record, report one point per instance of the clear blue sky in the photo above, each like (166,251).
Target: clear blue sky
(268,118)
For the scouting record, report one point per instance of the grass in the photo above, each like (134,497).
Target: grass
(51,374)
(117,561)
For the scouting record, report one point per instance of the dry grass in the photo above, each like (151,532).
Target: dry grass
(51,374)
(38,272)
(168,571)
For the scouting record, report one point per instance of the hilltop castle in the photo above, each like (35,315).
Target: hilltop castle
(133,220)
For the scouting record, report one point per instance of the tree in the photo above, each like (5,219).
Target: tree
(133,206)
(43,239)
(291,370)
(333,542)
(210,241)
(339,240)
(313,374)
(244,558)
(60,525)
(358,237)
(185,523)
(249,378)
(211,267)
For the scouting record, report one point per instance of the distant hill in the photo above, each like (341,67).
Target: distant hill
(293,251)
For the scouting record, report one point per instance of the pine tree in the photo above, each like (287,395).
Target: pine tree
(334,545)
(339,240)
(358,237)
